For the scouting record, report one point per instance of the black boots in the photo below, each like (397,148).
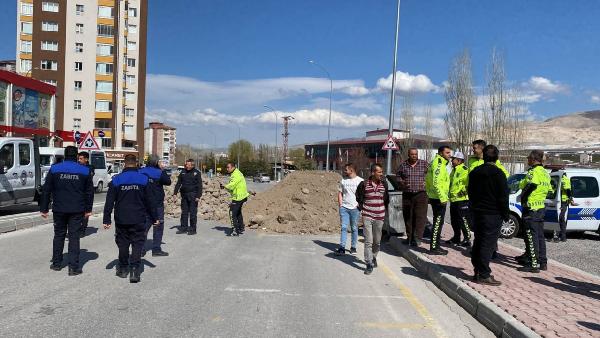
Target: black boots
(134,275)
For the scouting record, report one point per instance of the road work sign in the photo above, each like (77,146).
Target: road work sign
(390,144)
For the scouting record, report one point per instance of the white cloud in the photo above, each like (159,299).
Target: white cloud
(407,83)
(546,86)
(595,99)
(355,90)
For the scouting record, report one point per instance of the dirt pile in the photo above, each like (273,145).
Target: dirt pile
(305,202)
(214,204)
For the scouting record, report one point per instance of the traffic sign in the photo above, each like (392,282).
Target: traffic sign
(89,143)
(77,136)
(101,133)
(390,144)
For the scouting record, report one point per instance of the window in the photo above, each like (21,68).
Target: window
(78,85)
(104,106)
(24,154)
(106,143)
(105,12)
(104,87)
(129,96)
(7,156)
(104,50)
(98,160)
(51,82)
(49,65)
(129,112)
(128,128)
(78,66)
(106,30)
(79,28)
(102,124)
(130,62)
(104,68)
(26,27)
(132,12)
(79,9)
(49,6)
(77,104)
(50,26)
(26,47)
(131,45)
(78,47)
(132,28)
(50,45)
(585,187)
(130,79)
(26,9)
(25,65)
(76,123)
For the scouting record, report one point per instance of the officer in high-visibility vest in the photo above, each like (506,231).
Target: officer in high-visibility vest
(477,158)
(566,198)
(459,201)
(535,187)
(437,184)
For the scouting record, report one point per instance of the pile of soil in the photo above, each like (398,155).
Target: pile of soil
(305,202)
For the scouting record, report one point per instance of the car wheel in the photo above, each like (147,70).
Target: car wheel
(510,228)
(100,187)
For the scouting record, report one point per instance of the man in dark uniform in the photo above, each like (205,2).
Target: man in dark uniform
(157,178)
(189,183)
(69,186)
(84,159)
(130,197)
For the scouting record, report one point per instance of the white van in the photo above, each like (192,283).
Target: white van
(50,156)
(585,216)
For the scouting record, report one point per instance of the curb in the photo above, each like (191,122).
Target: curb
(32,219)
(487,313)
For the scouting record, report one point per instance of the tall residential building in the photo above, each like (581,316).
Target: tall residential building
(161,140)
(94,52)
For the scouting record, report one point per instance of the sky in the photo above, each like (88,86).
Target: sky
(214,64)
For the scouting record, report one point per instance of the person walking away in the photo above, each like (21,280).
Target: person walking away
(157,179)
(130,197)
(437,184)
(488,194)
(535,187)
(349,212)
(372,197)
(414,198)
(69,185)
(239,196)
(189,183)
(477,158)
(459,202)
(566,198)
(84,159)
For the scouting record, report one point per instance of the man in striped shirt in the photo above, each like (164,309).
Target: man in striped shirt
(372,198)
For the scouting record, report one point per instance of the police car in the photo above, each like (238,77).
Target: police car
(584,216)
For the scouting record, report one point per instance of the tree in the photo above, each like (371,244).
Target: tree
(428,131)
(408,123)
(461,119)
(300,161)
(243,148)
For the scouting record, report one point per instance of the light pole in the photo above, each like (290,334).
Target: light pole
(329,123)
(275,155)
(388,164)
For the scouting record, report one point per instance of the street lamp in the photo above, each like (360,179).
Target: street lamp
(274,157)
(388,164)
(329,123)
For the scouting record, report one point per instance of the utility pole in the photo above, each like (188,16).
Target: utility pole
(285,134)
(388,164)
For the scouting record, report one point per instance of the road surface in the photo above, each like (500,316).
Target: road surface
(211,285)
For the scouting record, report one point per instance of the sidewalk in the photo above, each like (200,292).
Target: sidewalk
(559,302)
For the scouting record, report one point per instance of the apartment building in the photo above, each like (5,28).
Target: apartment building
(161,140)
(94,52)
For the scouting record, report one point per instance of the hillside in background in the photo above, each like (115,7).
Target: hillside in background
(570,130)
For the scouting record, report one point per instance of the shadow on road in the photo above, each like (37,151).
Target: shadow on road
(90,231)
(351,260)
(569,285)
(225,230)
(591,326)
(84,257)
(114,263)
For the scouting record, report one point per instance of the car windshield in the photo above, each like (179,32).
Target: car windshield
(513,182)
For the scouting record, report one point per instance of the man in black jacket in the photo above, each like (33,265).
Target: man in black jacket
(84,159)
(488,193)
(189,183)
(69,185)
(130,197)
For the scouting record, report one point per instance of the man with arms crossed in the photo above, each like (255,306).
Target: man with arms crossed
(349,212)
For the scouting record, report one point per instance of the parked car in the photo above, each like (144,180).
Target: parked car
(261,178)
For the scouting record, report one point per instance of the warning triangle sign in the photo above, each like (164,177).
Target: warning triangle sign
(390,144)
(89,143)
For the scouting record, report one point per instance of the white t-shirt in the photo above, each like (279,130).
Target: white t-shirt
(348,189)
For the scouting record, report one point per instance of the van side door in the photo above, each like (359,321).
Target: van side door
(26,170)
(553,203)
(9,178)
(585,215)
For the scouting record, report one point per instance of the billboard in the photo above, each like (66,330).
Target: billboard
(31,109)
(3,99)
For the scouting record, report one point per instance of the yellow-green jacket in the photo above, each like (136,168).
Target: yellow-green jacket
(540,177)
(459,180)
(437,179)
(237,186)
(475,162)
(565,184)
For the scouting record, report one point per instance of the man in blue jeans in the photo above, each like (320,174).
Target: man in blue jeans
(349,212)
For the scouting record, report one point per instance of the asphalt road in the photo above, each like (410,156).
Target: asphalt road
(211,285)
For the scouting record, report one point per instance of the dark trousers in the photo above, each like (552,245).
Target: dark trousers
(439,212)
(130,235)
(461,220)
(414,212)
(84,224)
(487,230)
(534,236)
(66,223)
(235,215)
(189,209)
(564,209)
(158,230)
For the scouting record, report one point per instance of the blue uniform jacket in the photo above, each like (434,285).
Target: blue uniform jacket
(69,186)
(130,197)
(157,179)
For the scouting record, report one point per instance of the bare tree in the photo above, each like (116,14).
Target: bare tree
(516,129)
(407,116)
(428,131)
(461,119)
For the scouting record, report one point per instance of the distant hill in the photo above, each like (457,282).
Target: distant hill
(570,130)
